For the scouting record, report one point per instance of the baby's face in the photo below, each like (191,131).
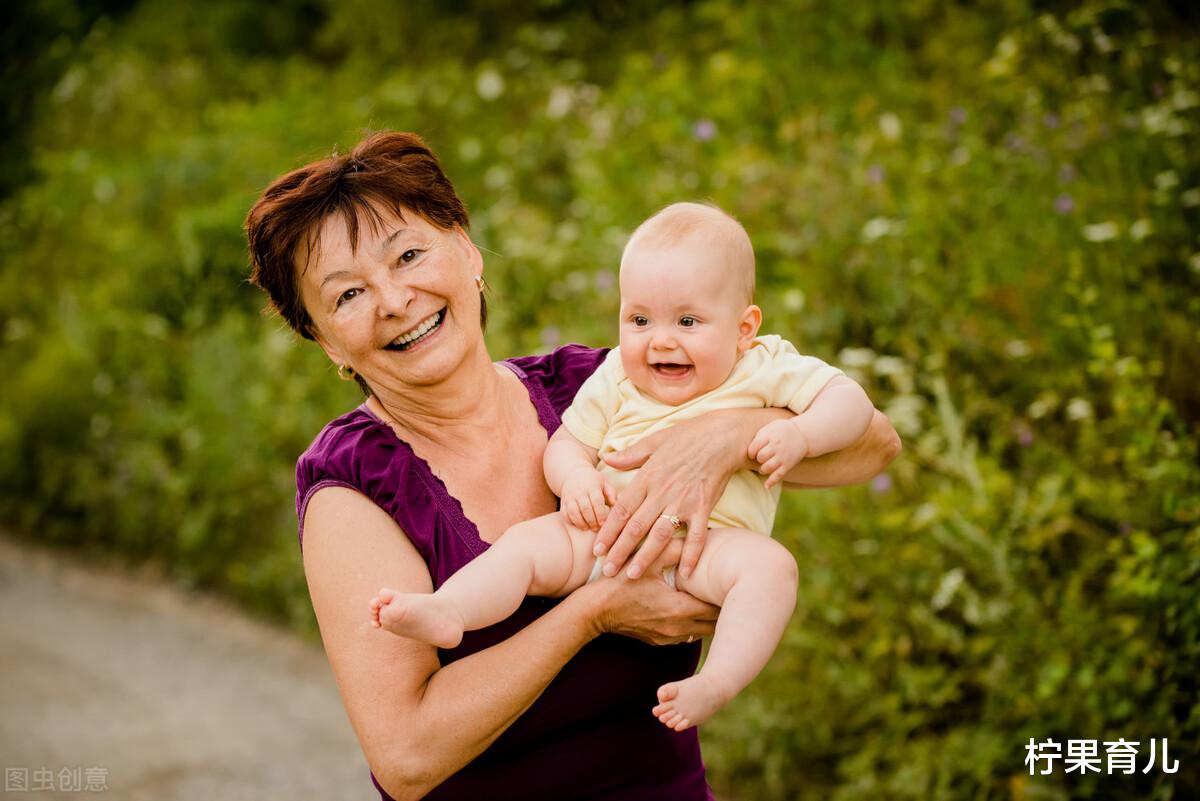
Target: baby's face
(682,319)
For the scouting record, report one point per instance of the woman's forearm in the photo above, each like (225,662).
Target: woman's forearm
(468,703)
(855,464)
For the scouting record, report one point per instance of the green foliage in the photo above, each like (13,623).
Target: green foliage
(988,214)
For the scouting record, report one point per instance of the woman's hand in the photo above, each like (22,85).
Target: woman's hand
(648,610)
(684,470)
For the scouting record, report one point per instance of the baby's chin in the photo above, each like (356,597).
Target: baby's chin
(674,390)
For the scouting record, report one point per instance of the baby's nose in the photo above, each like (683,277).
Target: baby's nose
(663,340)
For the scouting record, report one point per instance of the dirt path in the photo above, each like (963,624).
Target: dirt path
(169,695)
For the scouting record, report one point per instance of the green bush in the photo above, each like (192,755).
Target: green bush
(987,214)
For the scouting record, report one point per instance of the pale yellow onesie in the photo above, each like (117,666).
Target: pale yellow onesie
(609,414)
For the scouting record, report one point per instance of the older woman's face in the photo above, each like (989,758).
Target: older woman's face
(402,310)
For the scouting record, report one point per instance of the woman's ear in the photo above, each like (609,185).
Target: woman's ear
(473,253)
(748,327)
(333,353)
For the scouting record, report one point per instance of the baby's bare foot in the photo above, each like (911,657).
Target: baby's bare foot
(418,616)
(690,702)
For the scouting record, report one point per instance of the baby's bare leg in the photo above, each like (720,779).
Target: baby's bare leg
(753,579)
(545,556)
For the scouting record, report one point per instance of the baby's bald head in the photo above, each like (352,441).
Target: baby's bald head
(681,222)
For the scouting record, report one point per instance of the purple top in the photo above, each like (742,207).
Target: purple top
(590,734)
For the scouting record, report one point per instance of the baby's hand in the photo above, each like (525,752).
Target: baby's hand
(778,447)
(586,497)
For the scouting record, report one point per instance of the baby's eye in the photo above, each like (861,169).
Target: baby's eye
(688,322)
(408,255)
(640,320)
(347,295)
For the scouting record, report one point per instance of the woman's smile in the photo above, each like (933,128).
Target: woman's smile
(417,336)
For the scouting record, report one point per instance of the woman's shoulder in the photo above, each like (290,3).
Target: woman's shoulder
(561,371)
(343,441)
(356,450)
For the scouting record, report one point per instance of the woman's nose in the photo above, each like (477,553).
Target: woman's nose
(394,298)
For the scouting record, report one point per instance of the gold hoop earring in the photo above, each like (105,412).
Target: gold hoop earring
(479,282)
(345,372)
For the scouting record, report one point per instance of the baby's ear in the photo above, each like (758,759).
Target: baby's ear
(748,326)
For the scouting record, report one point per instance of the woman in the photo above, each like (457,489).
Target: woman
(368,255)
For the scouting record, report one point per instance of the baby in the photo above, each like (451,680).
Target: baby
(688,345)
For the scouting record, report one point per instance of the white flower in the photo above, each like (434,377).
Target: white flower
(793,300)
(1140,230)
(890,127)
(1101,232)
(470,149)
(949,585)
(1017,348)
(890,365)
(1167,179)
(559,103)
(877,227)
(1078,409)
(856,357)
(489,84)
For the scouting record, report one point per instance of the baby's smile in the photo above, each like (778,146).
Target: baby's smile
(671,370)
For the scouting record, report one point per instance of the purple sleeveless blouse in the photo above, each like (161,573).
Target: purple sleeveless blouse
(590,735)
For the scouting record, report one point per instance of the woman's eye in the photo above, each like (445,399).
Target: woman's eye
(687,322)
(347,295)
(408,255)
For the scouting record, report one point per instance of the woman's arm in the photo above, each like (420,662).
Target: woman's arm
(419,722)
(862,461)
(837,418)
(684,470)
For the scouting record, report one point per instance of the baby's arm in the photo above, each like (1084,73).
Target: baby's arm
(571,473)
(838,416)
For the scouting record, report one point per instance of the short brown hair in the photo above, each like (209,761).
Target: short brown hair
(390,170)
(679,221)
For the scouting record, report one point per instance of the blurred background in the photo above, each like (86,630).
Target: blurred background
(985,211)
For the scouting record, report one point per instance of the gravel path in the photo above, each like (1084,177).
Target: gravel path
(168,694)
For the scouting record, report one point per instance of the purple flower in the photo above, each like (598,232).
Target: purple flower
(1051,120)
(876,174)
(1015,142)
(958,115)
(1158,89)
(550,336)
(603,281)
(1023,434)
(881,483)
(1064,204)
(704,129)
(1126,527)
(1066,174)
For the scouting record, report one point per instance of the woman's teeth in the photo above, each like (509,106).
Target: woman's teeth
(406,341)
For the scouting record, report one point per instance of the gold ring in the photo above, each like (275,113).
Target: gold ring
(674,520)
